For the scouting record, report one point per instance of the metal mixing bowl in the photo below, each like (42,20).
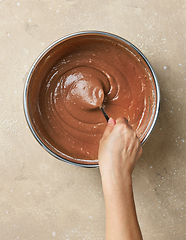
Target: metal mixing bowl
(37,68)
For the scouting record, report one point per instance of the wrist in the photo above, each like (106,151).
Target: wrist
(116,183)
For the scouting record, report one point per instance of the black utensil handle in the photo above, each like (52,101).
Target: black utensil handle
(104,113)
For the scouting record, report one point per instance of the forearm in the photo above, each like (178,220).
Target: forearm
(119,151)
(121,219)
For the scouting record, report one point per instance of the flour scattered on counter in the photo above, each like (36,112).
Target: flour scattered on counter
(18,4)
(53,233)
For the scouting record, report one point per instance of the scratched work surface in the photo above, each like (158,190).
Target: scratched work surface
(43,198)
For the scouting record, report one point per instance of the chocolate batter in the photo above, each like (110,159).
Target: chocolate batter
(77,77)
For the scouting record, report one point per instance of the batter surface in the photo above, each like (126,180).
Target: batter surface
(96,72)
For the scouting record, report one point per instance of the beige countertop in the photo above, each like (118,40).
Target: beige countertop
(44,198)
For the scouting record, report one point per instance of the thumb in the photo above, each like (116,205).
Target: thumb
(109,127)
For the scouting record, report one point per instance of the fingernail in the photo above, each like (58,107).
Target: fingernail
(110,120)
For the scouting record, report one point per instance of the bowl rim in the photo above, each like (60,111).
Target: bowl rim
(93,32)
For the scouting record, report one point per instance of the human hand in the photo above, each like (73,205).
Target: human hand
(119,150)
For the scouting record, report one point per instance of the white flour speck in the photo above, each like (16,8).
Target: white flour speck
(53,233)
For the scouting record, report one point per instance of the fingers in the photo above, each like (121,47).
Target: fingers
(122,120)
(132,142)
(139,151)
(135,145)
(109,127)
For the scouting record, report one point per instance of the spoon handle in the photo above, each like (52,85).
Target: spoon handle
(104,113)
